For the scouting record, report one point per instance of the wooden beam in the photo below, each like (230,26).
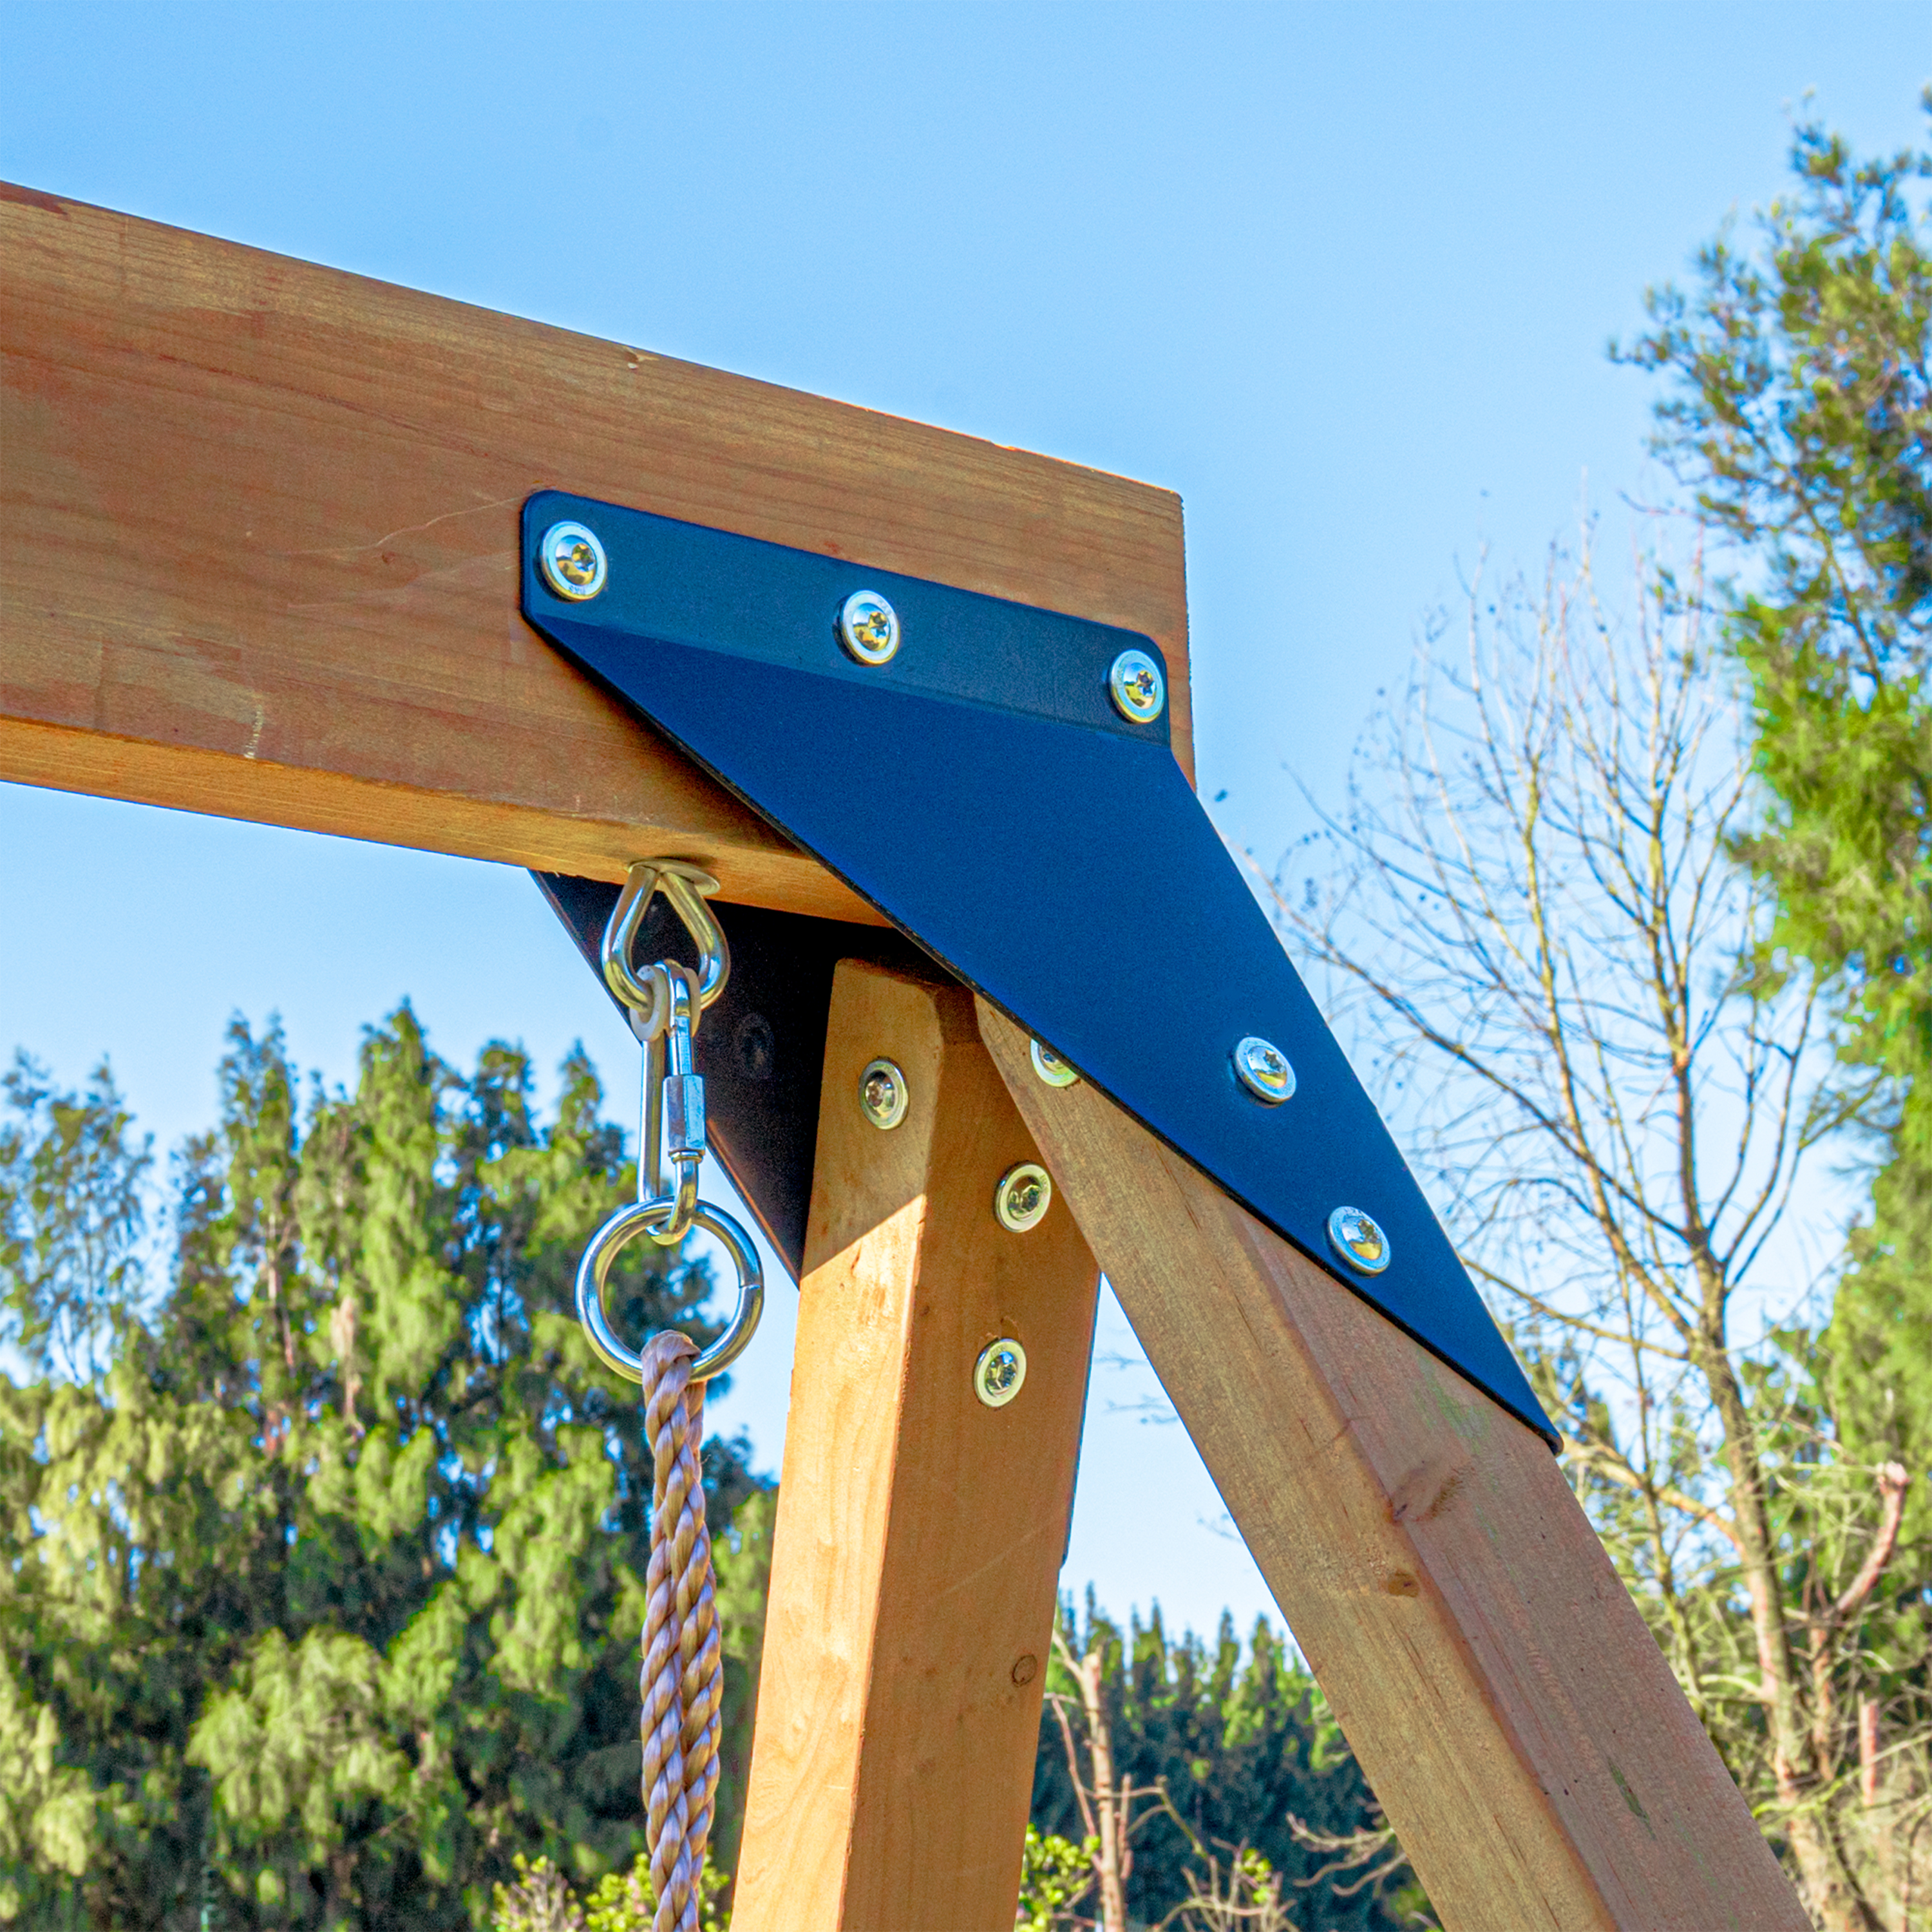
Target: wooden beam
(258,547)
(919,1533)
(1514,1715)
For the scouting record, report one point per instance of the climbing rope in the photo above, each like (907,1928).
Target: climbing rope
(681,1686)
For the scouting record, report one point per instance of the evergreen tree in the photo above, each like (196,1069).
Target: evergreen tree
(1243,1746)
(1800,411)
(324,1564)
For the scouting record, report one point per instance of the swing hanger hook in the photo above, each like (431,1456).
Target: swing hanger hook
(666,1001)
(686,887)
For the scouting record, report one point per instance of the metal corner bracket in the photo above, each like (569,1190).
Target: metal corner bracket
(979,786)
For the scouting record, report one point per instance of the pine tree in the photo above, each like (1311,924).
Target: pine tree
(1799,410)
(1241,1744)
(325,1561)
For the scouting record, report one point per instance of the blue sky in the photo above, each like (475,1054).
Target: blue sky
(1342,275)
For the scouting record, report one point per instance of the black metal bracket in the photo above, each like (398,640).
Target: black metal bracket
(981,789)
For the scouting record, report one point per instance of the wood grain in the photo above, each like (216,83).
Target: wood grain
(258,554)
(1514,1714)
(919,1533)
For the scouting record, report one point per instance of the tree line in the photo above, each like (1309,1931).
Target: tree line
(325,1560)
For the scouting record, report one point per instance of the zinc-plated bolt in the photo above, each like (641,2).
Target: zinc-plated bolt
(1262,1068)
(1358,1239)
(883,1093)
(573,562)
(999,1375)
(1052,1070)
(869,628)
(1137,687)
(1023,1196)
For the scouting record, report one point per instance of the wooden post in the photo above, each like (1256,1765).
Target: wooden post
(1515,1716)
(919,1533)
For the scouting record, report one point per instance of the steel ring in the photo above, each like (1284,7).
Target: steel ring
(635,1218)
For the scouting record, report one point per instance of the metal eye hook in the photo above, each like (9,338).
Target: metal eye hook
(638,1218)
(685,885)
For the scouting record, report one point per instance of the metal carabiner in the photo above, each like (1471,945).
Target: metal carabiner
(670,1122)
(666,1001)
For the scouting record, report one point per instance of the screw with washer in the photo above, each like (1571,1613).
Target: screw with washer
(1001,1372)
(883,1094)
(1052,1070)
(1263,1069)
(869,628)
(573,562)
(1358,1239)
(1023,1196)
(1137,687)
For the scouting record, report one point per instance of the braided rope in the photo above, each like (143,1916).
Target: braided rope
(682,1686)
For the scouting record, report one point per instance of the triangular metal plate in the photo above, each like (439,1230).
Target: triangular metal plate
(980,790)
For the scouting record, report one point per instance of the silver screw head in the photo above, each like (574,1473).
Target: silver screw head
(573,562)
(1137,687)
(999,1373)
(869,628)
(1262,1068)
(1358,1239)
(1052,1069)
(883,1093)
(1024,1194)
